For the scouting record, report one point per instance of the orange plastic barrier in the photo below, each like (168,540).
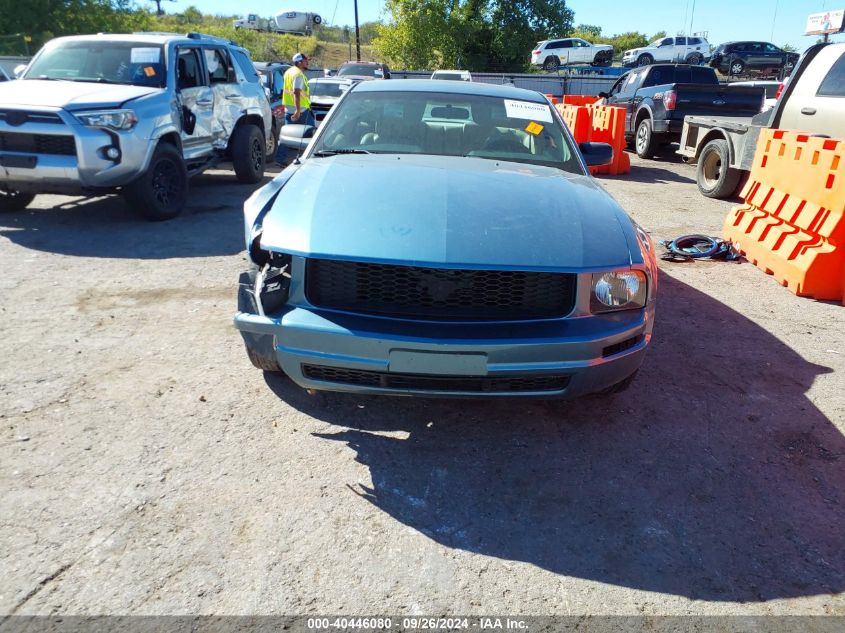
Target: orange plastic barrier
(555,100)
(580,100)
(608,126)
(577,119)
(792,224)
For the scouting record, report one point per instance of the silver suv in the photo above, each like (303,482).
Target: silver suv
(139,114)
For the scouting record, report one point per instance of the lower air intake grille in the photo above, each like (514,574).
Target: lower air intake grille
(438,293)
(37,143)
(425,382)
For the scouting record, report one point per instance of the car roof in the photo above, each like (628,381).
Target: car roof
(151,38)
(266,65)
(461,88)
(331,80)
(364,63)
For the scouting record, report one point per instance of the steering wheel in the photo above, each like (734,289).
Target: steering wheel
(506,145)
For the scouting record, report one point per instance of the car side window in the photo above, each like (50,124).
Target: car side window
(771,48)
(755,47)
(681,41)
(242,60)
(188,69)
(566,44)
(833,85)
(219,69)
(667,41)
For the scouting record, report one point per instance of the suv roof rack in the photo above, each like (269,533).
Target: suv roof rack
(209,38)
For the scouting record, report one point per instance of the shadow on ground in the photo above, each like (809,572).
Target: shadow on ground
(212,224)
(714,477)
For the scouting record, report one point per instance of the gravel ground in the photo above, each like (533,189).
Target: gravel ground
(147,468)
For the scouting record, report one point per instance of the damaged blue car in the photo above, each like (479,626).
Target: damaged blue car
(445,240)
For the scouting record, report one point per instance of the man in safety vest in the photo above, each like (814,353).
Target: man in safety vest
(296,98)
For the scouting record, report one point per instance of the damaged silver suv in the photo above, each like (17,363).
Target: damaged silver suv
(139,114)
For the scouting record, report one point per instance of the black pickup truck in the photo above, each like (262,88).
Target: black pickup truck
(658,97)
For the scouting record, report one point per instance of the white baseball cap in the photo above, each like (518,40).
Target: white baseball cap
(299,57)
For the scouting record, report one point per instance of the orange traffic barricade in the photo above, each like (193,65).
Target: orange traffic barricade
(580,100)
(578,120)
(555,100)
(792,224)
(608,126)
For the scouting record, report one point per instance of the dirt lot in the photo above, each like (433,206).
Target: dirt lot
(147,468)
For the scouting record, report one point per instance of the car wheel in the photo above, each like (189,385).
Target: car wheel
(272,146)
(695,59)
(160,194)
(551,64)
(249,150)
(13,200)
(645,60)
(788,67)
(645,142)
(736,67)
(714,176)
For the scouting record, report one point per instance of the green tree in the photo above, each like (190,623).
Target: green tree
(789,48)
(588,29)
(474,34)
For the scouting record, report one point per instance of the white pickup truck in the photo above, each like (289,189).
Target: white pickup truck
(812,100)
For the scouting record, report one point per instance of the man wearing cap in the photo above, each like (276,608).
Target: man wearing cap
(296,98)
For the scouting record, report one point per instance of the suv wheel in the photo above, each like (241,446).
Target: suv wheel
(736,67)
(160,194)
(249,150)
(13,200)
(695,59)
(645,60)
(788,66)
(551,64)
(714,176)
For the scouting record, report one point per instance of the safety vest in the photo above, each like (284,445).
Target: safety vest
(287,93)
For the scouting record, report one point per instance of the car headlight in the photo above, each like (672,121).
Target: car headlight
(619,290)
(113,119)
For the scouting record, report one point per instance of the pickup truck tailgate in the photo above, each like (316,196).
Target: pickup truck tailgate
(704,100)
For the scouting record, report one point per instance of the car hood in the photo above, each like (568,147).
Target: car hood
(70,95)
(447,211)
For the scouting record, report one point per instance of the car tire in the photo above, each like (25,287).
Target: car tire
(620,386)
(713,175)
(161,192)
(788,67)
(248,153)
(13,200)
(736,67)
(272,146)
(551,64)
(645,60)
(695,59)
(645,140)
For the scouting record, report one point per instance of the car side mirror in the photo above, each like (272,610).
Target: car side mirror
(19,70)
(297,136)
(604,95)
(596,153)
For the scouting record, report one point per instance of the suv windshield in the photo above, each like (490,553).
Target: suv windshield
(131,63)
(367,70)
(448,124)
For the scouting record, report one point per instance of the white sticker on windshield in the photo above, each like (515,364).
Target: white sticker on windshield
(145,56)
(527,110)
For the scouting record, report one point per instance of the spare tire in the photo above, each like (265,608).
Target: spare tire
(317,19)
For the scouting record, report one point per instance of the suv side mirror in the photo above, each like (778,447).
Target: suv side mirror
(604,95)
(19,70)
(297,136)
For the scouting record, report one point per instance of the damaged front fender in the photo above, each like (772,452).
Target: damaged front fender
(259,204)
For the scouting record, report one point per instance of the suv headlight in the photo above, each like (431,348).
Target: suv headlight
(619,290)
(113,119)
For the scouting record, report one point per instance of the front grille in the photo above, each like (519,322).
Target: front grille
(19,117)
(37,143)
(320,107)
(425,382)
(438,294)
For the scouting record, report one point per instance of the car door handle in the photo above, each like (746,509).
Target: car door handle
(234,97)
(808,111)
(205,102)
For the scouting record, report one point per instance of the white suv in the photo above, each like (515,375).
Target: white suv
(669,50)
(552,54)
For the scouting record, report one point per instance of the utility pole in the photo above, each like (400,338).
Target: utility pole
(357,35)
(159,10)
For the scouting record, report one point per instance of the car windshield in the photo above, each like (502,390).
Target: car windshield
(360,69)
(131,63)
(448,124)
(327,89)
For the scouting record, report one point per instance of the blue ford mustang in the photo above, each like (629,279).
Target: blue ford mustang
(445,240)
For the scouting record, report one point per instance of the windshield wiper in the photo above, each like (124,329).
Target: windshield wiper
(334,152)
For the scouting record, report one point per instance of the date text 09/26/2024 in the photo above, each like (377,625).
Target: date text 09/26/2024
(416,623)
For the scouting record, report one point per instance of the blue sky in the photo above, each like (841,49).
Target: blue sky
(779,21)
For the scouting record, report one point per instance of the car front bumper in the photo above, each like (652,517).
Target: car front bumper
(569,357)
